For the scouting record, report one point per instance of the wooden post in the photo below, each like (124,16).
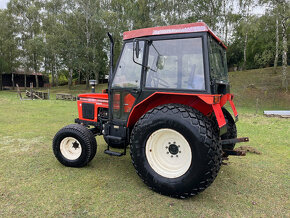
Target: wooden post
(18,91)
(25,81)
(13,82)
(31,91)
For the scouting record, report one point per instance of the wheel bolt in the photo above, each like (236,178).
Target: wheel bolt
(179,152)
(166,147)
(169,143)
(171,155)
(167,152)
(174,142)
(178,146)
(176,155)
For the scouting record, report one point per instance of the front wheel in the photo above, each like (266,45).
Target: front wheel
(175,151)
(74,145)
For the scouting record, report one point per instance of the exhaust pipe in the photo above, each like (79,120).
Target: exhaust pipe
(111,58)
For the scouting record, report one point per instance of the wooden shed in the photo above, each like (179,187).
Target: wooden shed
(23,79)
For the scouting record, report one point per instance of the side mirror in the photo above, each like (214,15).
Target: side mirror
(160,62)
(137,49)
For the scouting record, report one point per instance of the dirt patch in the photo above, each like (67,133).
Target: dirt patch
(248,149)
(12,145)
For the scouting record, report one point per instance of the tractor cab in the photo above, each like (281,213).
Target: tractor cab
(185,58)
(165,99)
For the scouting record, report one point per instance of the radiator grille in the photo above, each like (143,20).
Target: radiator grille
(88,111)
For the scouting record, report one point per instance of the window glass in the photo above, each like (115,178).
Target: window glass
(128,73)
(176,64)
(218,61)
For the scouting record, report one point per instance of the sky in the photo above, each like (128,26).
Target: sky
(3,4)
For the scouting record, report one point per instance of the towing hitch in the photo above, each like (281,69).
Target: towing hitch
(232,141)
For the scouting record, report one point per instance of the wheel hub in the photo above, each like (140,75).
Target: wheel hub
(173,149)
(70,148)
(168,153)
(75,145)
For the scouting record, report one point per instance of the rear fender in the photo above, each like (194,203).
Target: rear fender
(217,108)
(201,102)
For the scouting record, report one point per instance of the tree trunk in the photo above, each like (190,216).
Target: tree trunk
(245,51)
(25,81)
(36,81)
(87,81)
(35,70)
(52,75)
(97,77)
(277,45)
(79,78)
(284,53)
(13,83)
(56,78)
(1,85)
(70,73)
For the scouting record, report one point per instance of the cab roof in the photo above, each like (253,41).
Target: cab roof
(173,29)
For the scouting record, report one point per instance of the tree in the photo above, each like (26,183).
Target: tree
(9,51)
(284,23)
(29,20)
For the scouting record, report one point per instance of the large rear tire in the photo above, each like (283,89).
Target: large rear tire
(74,145)
(175,151)
(231,130)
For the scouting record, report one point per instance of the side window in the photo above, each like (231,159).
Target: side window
(176,64)
(218,64)
(128,73)
(162,78)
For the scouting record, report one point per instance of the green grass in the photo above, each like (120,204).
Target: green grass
(260,89)
(34,183)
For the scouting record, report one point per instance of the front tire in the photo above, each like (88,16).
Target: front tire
(74,145)
(175,151)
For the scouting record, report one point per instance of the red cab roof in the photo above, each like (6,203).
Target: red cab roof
(173,29)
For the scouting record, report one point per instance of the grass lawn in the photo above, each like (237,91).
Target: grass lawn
(34,183)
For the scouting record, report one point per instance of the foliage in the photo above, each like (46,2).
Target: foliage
(52,35)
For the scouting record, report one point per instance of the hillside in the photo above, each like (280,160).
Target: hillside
(250,87)
(260,88)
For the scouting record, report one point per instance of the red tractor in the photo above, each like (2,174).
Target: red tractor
(165,99)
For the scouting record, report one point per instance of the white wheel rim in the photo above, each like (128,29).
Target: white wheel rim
(70,148)
(168,153)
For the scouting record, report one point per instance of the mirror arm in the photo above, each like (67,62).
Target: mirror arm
(146,67)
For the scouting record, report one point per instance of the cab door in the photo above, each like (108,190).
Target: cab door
(126,84)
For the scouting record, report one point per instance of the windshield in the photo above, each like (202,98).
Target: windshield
(128,74)
(218,61)
(176,64)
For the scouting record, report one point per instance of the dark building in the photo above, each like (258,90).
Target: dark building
(23,79)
